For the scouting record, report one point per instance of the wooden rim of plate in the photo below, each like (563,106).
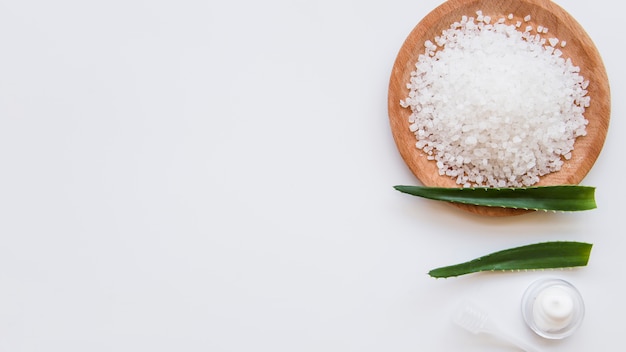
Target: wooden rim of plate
(579,48)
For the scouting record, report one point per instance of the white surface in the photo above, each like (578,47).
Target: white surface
(217,176)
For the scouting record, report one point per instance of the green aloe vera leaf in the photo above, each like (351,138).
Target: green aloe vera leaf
(558,198)
(544,255)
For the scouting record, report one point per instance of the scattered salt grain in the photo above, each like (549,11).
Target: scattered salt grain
(527,18)
(553,41)
(493,106)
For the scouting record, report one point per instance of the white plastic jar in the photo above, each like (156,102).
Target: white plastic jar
(553,308)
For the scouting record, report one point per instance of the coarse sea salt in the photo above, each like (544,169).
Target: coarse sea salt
(493,106)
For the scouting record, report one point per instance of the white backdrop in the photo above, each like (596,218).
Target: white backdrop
(217,176)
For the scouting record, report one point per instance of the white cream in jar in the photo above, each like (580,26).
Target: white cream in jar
(552,308)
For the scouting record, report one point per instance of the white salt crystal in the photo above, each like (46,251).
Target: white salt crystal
(471,140)
(553,41)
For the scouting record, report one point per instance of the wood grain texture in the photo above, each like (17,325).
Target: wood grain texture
(580,48)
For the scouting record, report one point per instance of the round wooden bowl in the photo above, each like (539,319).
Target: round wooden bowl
(579,48)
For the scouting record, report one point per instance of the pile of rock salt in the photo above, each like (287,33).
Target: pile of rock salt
(494,105)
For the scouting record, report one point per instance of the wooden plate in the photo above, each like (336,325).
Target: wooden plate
(580,48)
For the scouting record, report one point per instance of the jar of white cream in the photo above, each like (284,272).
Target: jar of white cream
(553,308)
